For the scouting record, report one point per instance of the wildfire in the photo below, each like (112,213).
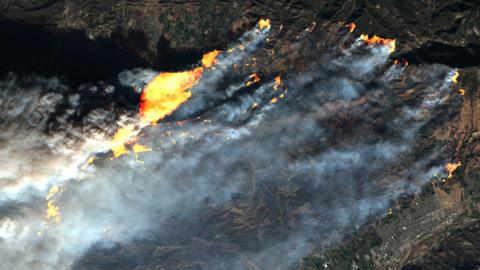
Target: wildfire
(254,78)
(123,136)
(278,83)
(461,91)
(264,23)
(455,77)
(162,96)
(138,148)
(210,59)
(351,27)
(389,43)
(167,91)
(451,167)
(53,211)
(400,62)
(88,162)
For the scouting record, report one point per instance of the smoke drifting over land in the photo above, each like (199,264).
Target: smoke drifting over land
(251,178)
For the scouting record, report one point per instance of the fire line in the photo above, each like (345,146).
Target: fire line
(388,42)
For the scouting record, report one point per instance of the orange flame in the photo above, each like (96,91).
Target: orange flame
(451,167)
(461,91)
(210,59)
(264,23)
(161,97)
(400,62)
(389,43)
(122,137)
(278,82)
(351,27)
(168,90)
(254,78)
(455,77)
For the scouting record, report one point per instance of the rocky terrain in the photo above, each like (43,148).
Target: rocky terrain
(88,41)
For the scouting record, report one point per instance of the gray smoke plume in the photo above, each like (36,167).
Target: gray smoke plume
(243,183)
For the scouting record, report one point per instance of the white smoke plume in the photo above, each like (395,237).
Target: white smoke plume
(235,186)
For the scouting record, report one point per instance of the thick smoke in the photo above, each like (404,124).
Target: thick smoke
(50,129)
(236,185)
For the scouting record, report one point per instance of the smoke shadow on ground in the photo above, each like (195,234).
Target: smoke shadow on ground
(454,56)
(27,48)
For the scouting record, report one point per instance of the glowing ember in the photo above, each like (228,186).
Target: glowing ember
(53,190)
(278,83)
(400,62)
(89,162)
(311,28)
(461,91)
(181,123)
(451,167)
(389,43)
(210,59)
(53,211)
(138,148)
(351,27)
(455,77)
(254,78)
(264,23)
(123,136)
(273,100)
